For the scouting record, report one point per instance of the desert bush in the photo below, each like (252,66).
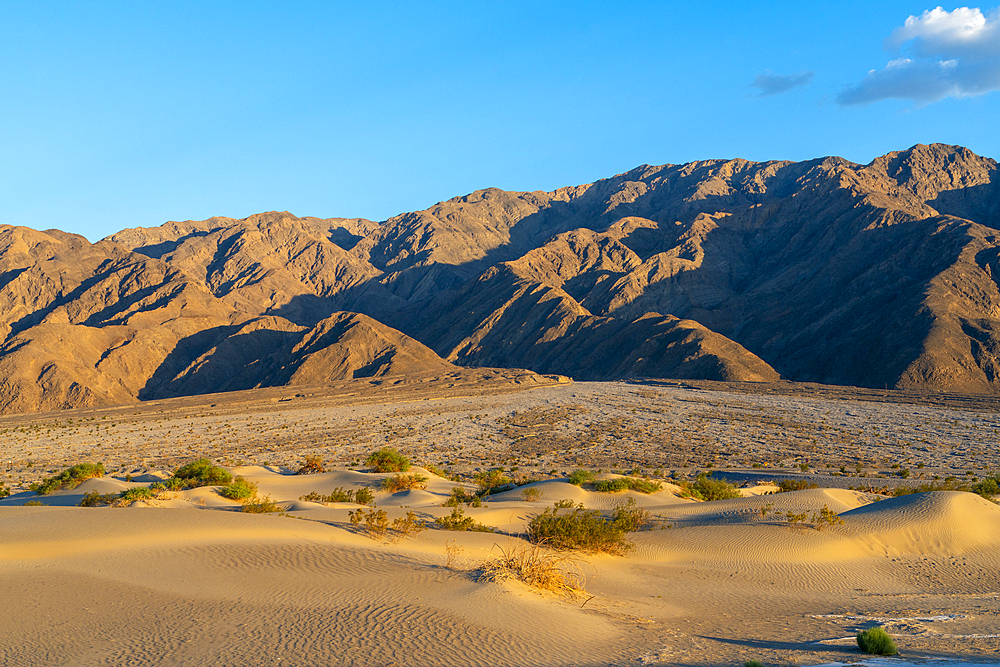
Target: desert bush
(706,488)
(794,518)
(826,517)
(364,496)
(578,528)
(387,459)
(313,464)
(490,481)
(581,477)
(398,483)
(202,473)
(459,496)
(534,567)
(629,517)
(376,522)
(458,521)
(876,641)
(34,503)
(988,488)
(439,472)
(95,499)
(795,485)
(624,483)
(174,484)
(753,663)
(239,489)
(339,495)
(136,493)
(408,525)
(531,494)
(70,478)
(258,505)
(4,491)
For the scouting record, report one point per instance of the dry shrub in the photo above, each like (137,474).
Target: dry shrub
(531,494)
(257,505)
(453,553)
(398,483)
(539,569)
(376,524)
(313,464)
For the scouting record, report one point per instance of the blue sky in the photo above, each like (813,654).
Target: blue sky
(130,114)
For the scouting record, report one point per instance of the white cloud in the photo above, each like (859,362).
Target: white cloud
(772,84)
(949,54)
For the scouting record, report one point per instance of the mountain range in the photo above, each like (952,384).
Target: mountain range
(877,275)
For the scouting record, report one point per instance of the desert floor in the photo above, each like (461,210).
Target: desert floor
(188,579)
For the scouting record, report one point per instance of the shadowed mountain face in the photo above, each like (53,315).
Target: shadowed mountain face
(872,275)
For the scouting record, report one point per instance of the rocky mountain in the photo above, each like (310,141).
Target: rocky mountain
(872,275)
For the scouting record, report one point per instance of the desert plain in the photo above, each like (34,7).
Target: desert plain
(188,578)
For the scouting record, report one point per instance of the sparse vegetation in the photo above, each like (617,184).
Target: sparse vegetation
(313,464)
(376,524)
(258,505)
(578,528)
(795,485)
(129,496)
(581,477)
(4,491)
(877,641)
(239,489)
(707,488)
(458,521)
(70,478)
(753,663)
(459,496)
(387,459)
(201,473)
(627,483)
(362,496)
(531,494)
(491,481)
(398,483)
(629,517)
(826,517)
(97,499)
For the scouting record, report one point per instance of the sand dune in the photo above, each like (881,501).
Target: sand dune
(306,587)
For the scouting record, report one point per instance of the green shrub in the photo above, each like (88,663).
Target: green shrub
(174,484)
(239,489)
(458,521)
(34,503)
(136,493)
(202,473)
(826,517)
(95,499)
(629,517)
(490,481)
(876,641)
(387,459)
(623,483)
(459,496)
(4,491)
(364,496)
(257,505)
(561,527)
(707,488)
(753,663)
(531,494)
(988,488)
(376,524)
(795,485)
(439,472)
(70,478)
(581,477)
(398,483)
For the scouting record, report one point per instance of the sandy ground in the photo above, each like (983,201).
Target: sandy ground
(191,580)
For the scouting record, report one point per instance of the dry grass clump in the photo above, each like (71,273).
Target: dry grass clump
(398,483)
(313,465)
(70,478)
(458,521)
(387,459)
(530,565)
